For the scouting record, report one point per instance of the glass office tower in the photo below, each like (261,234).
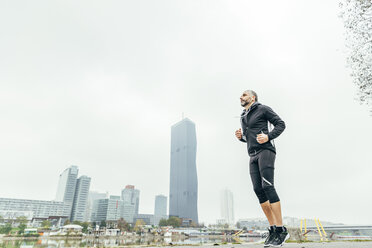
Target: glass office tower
(183,190)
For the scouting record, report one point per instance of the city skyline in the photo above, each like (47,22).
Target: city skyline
(75,202)
(109,207)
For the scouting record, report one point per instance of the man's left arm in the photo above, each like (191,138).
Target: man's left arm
(274,119)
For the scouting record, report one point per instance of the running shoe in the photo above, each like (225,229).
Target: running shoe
(280,238)
(270,237)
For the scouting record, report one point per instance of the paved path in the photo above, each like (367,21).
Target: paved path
(294,245)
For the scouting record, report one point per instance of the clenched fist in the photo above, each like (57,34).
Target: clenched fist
(262,138)
(238,133)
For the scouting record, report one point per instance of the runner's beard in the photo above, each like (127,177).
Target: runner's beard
(244,103)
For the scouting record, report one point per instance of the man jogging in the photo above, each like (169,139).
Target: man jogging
(256,121)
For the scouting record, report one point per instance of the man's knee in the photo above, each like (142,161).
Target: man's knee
(261,195)
(270,193)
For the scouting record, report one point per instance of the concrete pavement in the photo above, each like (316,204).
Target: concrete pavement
(365,244)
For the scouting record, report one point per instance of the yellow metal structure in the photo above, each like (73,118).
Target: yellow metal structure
(320,233)
(319,226)
(238,233)
(236,236)
(305,229)
(303,225)
(324,233)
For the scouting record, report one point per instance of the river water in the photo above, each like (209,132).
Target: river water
(114,242)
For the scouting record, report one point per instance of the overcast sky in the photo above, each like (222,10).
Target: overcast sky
(98,84)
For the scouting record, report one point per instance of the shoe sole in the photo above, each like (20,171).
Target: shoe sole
(286,237)
(267,245)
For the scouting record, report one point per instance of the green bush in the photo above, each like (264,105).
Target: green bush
(6,229)
(36,235)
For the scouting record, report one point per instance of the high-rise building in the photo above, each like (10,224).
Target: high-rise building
(227,206)
(73,192)
(183,190)
(93,195)
(160,208)
(160,205)
(130,197)
(107,209)
(67,185)
(80,199)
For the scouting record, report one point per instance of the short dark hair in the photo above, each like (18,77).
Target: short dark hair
(251,92)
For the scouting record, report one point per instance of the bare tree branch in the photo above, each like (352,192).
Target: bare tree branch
(357,18)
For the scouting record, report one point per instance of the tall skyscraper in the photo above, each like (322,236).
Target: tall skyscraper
(73,192)
(183,190)
(227,206)
(67,185)
(130,197)
(160,208)
(81,198)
